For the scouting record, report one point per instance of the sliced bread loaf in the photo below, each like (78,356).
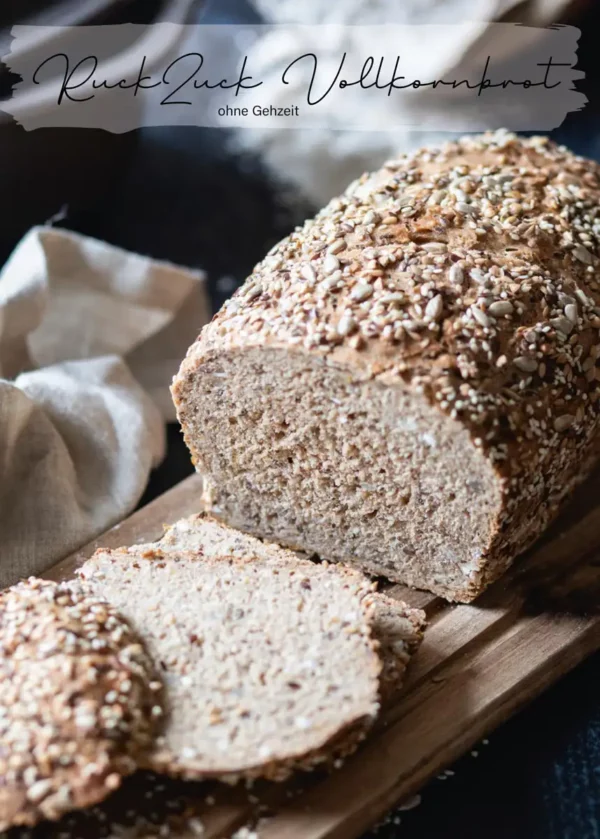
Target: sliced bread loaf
(77,695)
(268,666)
(410,382)
(396,627)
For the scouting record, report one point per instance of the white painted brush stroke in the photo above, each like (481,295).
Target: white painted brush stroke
(165,54)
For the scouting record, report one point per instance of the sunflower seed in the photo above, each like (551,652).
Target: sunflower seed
(477,274)
(480,316)
(562,324)
(336,246)
(395,297)
(581,253)
(500,307)
(563,422)
(253,293)
(525,364)
(361,291)
(571,312)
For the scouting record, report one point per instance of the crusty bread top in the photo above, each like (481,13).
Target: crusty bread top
(265,665)
(468,273)
(77,693)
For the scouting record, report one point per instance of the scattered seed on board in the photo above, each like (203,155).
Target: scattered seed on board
(410,803)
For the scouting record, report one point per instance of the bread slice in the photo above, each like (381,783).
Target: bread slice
(78,697)
(269,666)
(396,627)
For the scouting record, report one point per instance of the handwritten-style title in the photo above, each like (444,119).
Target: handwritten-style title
(188,73)
(453,77)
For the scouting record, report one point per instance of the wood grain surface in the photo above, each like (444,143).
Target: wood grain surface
(477,665)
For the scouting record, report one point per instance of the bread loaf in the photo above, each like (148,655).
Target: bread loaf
(409,383)
(396,627)
(268,666)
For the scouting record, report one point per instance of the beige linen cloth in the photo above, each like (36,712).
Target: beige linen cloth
(90,337)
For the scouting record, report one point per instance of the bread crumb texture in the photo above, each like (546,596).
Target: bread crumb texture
(397,628)
(267,667)
(77,694)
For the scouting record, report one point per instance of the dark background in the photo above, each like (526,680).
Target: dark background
(177,194)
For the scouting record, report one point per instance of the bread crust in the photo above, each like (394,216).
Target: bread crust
(468,275)
(77,691)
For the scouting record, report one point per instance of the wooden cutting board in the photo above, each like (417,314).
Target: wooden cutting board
(477,665)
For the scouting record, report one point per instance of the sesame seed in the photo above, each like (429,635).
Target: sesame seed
(434,308)
(308,272)
(39,790)
(330,264)
(347,325)
(477,274)
(456,274)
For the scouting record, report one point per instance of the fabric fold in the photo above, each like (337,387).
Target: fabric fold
(80,429)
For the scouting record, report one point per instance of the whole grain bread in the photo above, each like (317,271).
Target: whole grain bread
(77,700)
(410,381)
(396,627)
(268,666)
